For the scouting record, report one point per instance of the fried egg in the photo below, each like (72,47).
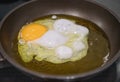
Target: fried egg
(53,40)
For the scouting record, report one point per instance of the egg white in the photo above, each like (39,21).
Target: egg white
(63,25)
(68,27)
(56,39)
(51,39)
(64,52)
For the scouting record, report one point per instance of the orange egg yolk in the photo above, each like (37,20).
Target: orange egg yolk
(32,31)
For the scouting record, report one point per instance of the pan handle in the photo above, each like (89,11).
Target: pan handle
(3,62)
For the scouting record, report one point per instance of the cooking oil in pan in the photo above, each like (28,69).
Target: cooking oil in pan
(97,54)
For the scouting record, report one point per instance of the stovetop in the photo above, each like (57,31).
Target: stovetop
(10,74)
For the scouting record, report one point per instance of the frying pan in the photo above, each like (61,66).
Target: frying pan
(85,9)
